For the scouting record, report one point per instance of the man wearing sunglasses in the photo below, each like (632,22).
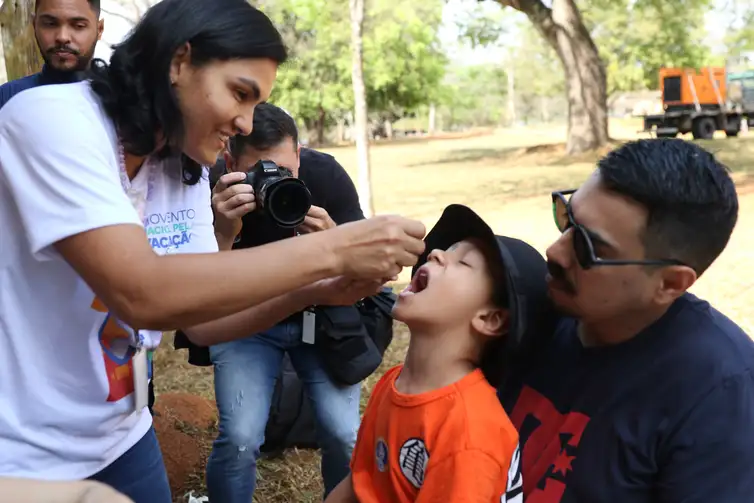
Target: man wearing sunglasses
(645,392)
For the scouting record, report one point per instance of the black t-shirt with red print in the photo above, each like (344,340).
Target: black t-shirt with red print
(667,416)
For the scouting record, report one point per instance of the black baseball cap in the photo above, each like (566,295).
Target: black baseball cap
(532,316)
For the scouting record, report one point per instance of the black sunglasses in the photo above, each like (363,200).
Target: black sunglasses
(583,244)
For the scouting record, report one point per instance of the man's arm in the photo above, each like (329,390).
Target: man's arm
(711,456)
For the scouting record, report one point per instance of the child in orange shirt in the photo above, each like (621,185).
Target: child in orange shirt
(434,429)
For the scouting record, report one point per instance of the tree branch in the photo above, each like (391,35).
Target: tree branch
(539,14)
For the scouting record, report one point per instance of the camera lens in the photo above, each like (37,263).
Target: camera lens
(288,201)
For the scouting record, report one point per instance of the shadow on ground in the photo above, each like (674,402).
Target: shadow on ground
(471,155)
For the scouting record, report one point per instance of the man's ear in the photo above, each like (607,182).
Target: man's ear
(674,282)
(100,28)
(491,321)
(230,164)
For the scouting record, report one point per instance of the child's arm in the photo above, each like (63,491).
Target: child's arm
(343,492)
(471,476)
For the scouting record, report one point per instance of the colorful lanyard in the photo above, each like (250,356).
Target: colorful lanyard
(138,198)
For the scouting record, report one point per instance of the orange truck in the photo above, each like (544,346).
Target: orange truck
(701,102)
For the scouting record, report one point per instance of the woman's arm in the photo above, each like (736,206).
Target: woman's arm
(70,200)
(229,204)
(343,492)
(164,292)
(38,491)
(339,291)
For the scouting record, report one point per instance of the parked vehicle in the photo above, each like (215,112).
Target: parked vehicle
(702,102)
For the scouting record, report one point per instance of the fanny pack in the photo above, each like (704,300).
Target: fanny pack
(351,340)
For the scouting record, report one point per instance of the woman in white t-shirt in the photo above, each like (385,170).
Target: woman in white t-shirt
(106,221)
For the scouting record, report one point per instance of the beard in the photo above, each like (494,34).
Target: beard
(82,60)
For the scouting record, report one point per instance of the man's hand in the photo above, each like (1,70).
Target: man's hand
(376,248)
(343,291)
(231,201)
(317,219)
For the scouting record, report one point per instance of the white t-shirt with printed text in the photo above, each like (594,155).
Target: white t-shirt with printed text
(66,390)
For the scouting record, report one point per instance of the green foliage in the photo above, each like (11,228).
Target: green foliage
(635,38)
(538,71)
(315,84)
(473,96)
(403,61)
(739,38)
(638,37)
(479,25)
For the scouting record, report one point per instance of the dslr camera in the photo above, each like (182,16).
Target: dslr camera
(284,198)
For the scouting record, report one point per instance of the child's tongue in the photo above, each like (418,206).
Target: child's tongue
(406,292)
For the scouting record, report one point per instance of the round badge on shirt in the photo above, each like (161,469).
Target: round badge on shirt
(413,461)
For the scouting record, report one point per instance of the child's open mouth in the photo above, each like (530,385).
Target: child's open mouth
(418,284)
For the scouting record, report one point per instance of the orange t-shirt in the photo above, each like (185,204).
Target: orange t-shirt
(454,444)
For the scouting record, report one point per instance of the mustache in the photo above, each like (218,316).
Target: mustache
(63,48)
(558,274)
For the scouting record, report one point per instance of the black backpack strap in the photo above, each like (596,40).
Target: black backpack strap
(197,355)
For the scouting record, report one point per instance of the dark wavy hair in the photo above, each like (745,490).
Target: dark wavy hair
(271,126)
(135,88)
(689,195)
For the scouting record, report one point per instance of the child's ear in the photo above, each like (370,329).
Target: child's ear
(491,321)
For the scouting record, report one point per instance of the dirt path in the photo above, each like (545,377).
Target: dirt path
(728,284)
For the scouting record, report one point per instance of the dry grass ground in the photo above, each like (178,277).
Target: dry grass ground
(506,177)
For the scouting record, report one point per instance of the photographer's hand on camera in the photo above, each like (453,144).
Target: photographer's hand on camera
(376,248)
(231,201)
(317,219)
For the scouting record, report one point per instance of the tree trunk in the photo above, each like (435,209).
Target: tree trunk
(511,95)
(432,119)
(586,82)
(360,108)
(20,47)
(321,126)
(3,74)
(340,130)
(388,129)
(544,109)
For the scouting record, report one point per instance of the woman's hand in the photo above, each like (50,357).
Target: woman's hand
(344,291)
(231,200)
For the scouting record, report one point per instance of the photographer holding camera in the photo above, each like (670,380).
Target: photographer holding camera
(246,369)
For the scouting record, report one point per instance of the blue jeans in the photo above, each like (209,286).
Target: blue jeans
(139,473)
(245,375)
